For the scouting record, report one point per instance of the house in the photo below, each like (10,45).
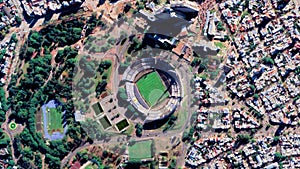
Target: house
(76,165)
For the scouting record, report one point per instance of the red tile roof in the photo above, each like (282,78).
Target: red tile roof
(76,165)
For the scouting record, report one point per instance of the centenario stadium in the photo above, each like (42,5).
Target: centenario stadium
(153,88)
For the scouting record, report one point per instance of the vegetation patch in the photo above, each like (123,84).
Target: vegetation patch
(36,84)
(152,88)
(140,150)
(219,44)
(91,166)
(182,116)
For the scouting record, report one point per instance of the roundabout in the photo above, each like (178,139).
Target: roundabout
(153,88)
(13,126)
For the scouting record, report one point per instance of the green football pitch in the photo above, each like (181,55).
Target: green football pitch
(140,150)
(152,88)
(54,118)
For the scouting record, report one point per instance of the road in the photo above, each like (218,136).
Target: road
(297,3)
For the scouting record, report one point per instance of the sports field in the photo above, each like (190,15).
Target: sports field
(140,150)
(54,120)
(97,108)
(122,124)
(152,88)
(105,122)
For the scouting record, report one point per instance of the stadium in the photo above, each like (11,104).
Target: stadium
(153,88)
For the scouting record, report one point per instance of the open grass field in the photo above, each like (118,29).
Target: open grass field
(220,45)
(140,150)
(182,115)
(152,88)
(54,120)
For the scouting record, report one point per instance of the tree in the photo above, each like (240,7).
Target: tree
(54,162)
(105,64)
(276,139)
(101,87)
(104,76)
(59,56)
(297,70)
(187,136)
(252,87)
(14,38)
(29,53)
(3,100)
(170,122)
(226,38)
(220,26)
(138,129)
(77,32)
(27,152)
(244,138)
(34,40)
(38,161)
(127,7)
(268,60)
(196,61)
(22,114)
(255,96)
(172,164)
(93,129)
(279,157)
(18,20)
(201,68)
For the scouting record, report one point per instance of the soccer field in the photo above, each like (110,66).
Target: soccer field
(152,88)
(140,150)
(54,120)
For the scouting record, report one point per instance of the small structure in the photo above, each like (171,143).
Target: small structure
(79,116)
(7,12)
